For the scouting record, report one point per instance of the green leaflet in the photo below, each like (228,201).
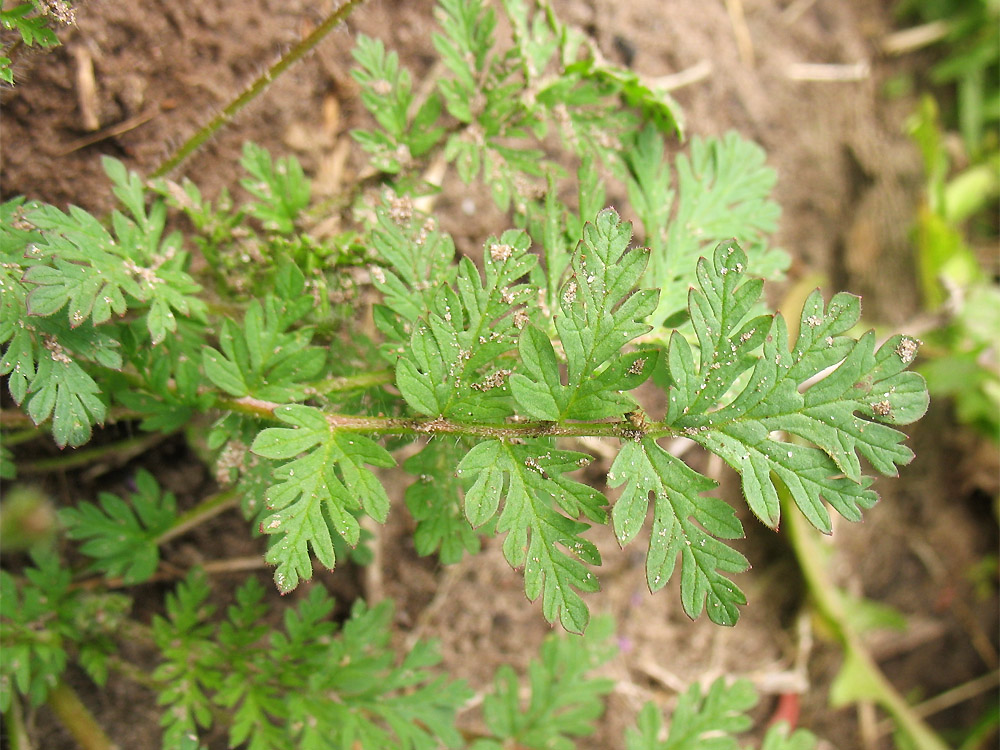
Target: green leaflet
(722,190)
(265,359)
(43,619)
(74,263)
(31,663)
(744,389)
(63,390)
(280,186)
(317,493)
(684,523)
(122,535)
(413,252)
(600,313)
(33,28)
(95,274)
(843,413)
(386,93)
(305,683)
(464,48)
(435,502)
(452,366)
(527,478)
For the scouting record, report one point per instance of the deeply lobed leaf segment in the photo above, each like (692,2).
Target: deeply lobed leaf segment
(318,492)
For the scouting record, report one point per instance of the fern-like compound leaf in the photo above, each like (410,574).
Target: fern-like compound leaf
(434,501)
(264,358)
(317,491)
(33,660)
(386,93)
(710,720)
(94,274)
(562,698)
(280,186)
(464,46)
(413,251)
(722,190)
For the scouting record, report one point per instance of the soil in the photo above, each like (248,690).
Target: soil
(849,183)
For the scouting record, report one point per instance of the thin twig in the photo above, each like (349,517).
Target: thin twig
(697,72)
(738,20)
(212,567)
(947,699)
(235,565)
(21,436)
(86,87)
(17,419)
(17,732)
(76,717)
(116,454)
(917,37)
(110,132)
(208,508)
(829,72)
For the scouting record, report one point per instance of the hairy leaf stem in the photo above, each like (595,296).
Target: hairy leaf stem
(228,112)
(208,508)
(443,426)
(118,453)
(76,717)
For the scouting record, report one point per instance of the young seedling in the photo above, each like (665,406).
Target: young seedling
(571,326)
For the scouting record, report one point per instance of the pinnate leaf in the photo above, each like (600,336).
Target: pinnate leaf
(435,502)
(265,358)
(451,368)
(63,390)
(280,186)
(412,251)
(563,699)
(722,190)
(95,274)
(710,721)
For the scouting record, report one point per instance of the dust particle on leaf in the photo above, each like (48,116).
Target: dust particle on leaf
(906,350)
(883,408)
(499,253)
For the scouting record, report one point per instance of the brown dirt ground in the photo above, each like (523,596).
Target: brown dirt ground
(848,185)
